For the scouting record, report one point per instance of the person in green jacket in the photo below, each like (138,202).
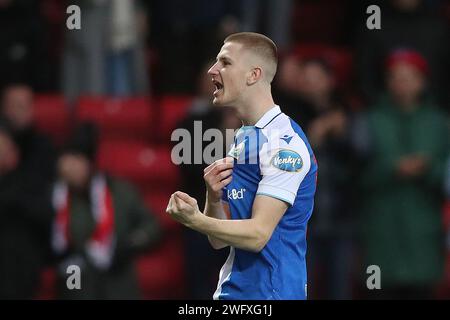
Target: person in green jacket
(402,182)
(100,224)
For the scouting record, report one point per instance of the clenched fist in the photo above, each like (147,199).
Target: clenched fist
(183,208)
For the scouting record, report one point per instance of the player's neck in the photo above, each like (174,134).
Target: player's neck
(255,108)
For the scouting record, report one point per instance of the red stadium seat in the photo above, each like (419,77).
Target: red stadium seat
(51,116)
(172,110)
(161,273)
(128,118)
(148,167)
(47,286)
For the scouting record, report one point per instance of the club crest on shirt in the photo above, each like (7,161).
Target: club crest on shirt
(235,151)
(287,160)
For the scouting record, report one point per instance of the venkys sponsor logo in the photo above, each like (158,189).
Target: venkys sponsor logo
(287,160)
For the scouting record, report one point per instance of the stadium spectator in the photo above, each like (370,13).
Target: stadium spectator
(26,212)
(402,182)
(37,151)
(404,23)
(210,117)
(325,119)
(287,87)
(105,56)
(22,53)
(447,224)
(272,16)
(24,219)
(194,24)
(100,225)
(447,180)
(202,262)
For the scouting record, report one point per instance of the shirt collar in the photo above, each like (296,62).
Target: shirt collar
(268,117)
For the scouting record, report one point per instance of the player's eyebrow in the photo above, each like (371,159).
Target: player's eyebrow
(224,58)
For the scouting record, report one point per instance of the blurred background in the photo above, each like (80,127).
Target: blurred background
(86,118)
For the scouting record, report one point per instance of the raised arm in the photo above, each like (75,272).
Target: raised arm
(217,176)
(248,234)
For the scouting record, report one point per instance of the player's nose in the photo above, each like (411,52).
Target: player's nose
(213,70)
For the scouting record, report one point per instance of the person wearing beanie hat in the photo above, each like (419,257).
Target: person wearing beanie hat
(409,24)
(84,141)
(402,181)
(100,224)
(409,57)
(77,157)
(407,73)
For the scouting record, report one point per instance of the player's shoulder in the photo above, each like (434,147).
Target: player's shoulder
(287,132)
(286,145)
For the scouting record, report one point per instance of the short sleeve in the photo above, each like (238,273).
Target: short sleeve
(283,167)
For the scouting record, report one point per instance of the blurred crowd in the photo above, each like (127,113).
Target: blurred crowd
(374,104)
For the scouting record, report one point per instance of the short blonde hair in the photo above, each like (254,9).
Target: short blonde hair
(260,45)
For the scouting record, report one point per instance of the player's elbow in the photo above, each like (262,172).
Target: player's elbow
(258,246)
(261,237)
(216,244)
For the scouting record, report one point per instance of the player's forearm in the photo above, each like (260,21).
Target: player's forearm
(242,234)
(215,210)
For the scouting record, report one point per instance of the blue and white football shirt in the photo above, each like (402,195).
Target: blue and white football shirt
(272,158)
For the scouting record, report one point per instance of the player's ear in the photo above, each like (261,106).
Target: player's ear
(255,74)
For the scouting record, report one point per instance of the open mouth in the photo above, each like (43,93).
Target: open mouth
(218,86)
